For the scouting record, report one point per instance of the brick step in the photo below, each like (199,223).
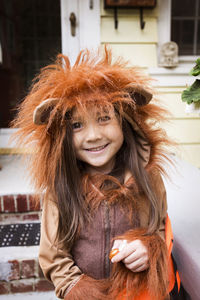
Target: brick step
(31,296)
(19,268)
(20,208)
(20,203)
(20,271)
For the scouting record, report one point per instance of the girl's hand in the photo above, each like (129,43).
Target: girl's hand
(133,254)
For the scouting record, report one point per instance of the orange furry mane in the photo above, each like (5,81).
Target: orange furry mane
(93,80)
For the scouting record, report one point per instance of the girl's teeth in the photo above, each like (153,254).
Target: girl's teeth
(97,149)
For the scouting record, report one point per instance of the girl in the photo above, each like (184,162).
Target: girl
(97,157)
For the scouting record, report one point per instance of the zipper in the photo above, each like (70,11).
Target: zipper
(107,240)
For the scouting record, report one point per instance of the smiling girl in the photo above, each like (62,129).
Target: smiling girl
(97,138)
(98,158)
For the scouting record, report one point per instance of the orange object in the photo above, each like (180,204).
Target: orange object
(168,235)
(169,242)
(173,273)
(178,280)
(113,252)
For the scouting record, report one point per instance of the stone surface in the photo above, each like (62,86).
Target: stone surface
(8,203)
(4,288)
(14,271)
(169,55)
(21,286)
(50,295)
(13,176)
(43,285)
(22,205)
(28,268)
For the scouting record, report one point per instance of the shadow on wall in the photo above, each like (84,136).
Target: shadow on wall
(183,195)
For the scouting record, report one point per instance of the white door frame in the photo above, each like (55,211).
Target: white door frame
(164,22)
(87,28)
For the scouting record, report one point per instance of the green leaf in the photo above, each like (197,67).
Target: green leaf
(196,70)
(192,94)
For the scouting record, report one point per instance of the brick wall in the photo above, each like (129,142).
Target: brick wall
(20,203)
(24,275)
(20,208)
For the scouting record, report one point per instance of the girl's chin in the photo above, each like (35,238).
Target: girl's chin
(99,168)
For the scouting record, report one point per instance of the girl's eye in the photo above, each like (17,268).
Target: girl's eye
(77,125)
(104,118)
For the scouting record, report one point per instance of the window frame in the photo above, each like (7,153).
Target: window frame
(164,26)
(194,18)
(170,77)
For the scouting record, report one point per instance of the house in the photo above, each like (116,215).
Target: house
(33,32)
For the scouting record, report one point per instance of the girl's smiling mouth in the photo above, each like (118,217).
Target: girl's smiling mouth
(97,149)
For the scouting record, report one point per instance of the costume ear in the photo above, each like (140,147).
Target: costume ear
(42,111)
(139,95)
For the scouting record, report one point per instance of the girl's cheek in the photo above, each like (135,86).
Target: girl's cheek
(75,141)
(121,137)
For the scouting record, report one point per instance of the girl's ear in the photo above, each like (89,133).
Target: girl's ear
(139,95)
(42,111)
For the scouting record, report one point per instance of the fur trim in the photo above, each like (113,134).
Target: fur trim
(125,284)
(42,112)
(155,279)
(126,195)
(90,289)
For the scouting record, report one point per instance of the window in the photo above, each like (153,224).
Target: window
(30,37)
(185,26)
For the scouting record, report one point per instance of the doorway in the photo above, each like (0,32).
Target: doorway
(30,38)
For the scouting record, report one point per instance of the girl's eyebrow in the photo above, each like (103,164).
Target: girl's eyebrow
(103,112)
(77,119)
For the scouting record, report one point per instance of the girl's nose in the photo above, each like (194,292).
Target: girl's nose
(93,133)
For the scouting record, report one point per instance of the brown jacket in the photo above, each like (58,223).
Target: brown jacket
(89,254)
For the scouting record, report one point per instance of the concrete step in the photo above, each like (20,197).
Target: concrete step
(30,296)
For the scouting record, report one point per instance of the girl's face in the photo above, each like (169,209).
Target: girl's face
(97,137)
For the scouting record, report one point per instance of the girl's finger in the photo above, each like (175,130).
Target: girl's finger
(138,264)
(113,252)
(132,257)
(142,268)
(139,269)
(120,256)
(125,251)
(117,244)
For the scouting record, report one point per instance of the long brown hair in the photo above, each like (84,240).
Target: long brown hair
(73,211)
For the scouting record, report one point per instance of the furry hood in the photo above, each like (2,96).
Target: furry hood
(93,80)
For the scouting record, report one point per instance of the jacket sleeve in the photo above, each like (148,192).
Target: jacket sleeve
(162,202)
(56,263)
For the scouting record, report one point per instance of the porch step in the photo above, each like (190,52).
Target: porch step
(27,234)
(31,296)
(19,238)
(14,177)
(20,271)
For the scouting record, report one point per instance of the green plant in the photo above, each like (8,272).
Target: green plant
(192,93)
